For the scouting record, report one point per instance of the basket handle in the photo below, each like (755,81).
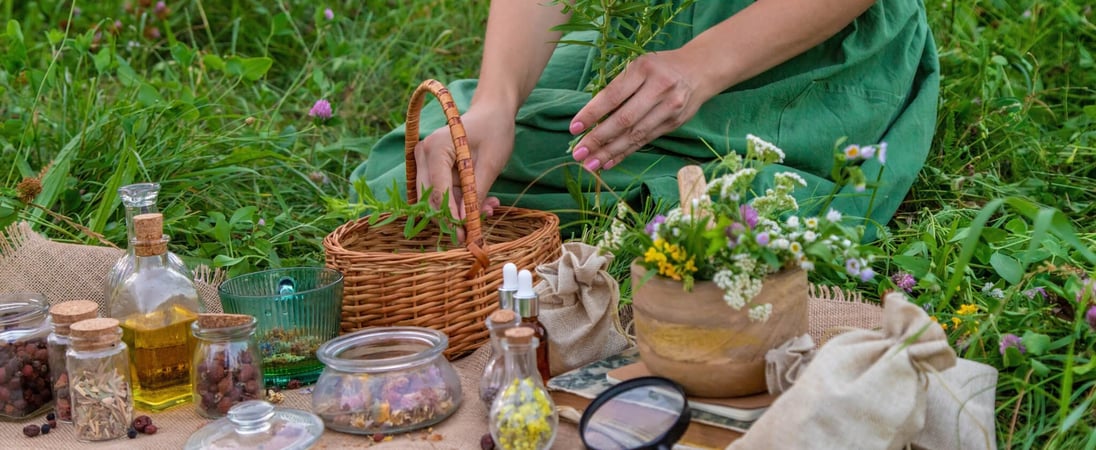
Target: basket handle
(473,235)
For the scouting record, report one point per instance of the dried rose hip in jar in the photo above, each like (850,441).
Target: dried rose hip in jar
(25,387)
(228,370)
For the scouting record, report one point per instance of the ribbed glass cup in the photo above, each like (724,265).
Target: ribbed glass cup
(298,309)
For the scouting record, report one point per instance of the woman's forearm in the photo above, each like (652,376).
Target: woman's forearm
(517,46)
(764,35)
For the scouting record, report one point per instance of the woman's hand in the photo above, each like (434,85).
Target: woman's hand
(491,138)
(655,94)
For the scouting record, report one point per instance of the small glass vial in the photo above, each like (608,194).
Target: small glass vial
(98,366)
(523,415)
(494,371)
(25,389)
(156,305)
(227,365)
(64,315)
(527,305)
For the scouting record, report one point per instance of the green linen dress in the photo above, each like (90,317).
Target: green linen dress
(875,81)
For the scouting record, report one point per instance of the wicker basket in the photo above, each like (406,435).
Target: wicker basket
(389,280)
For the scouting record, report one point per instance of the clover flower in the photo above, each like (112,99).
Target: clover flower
(320,110)
(763,239)
(904,281)
(1012,340)
(749,215)
(1090,317)
(328,14)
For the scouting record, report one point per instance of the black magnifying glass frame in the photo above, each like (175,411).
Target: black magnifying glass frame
(667,439)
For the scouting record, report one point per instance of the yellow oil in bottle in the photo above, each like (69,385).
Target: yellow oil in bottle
(160,350)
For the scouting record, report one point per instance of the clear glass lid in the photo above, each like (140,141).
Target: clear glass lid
(258,424)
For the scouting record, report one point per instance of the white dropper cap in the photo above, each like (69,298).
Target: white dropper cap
(525,285)
(510,277)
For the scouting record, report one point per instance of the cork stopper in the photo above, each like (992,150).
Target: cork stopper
(148,231)
(519,335)
(67,313)
(209,321)
(502,317)
(95,334)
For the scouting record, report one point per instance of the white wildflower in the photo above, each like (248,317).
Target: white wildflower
(811,222)
(780,244)
(809,236)
(833,215)
(796,248)
(761,313)
(764,151)
(805,264)
(789,179)
(793,221)
(991,291)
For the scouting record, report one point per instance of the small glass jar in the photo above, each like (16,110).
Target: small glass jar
(64,315)
(25,389)
(227,367)
(98,367)
(258,424)
(523,415)
(386,380)
(494,372)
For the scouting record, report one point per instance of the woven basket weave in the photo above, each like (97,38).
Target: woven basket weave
(390,280)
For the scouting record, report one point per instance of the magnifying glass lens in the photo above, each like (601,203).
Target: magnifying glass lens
(645,416)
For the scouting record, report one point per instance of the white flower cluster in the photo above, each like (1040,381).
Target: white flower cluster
(733,186)
(614,237)
(763,150)
(761,313)
(738,288)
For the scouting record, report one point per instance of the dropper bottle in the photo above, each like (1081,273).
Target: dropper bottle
(527,305)
(509,286)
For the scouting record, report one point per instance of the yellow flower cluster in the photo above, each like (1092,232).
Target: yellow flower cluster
(672,260)
(524,417)
(967,309)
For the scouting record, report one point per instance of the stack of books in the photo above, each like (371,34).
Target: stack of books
(716,422)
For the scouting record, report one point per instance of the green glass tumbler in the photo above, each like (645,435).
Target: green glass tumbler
(298,309)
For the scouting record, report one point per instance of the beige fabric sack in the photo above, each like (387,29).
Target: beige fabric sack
(578,307)
(784,363)
(864,389)
(960,412)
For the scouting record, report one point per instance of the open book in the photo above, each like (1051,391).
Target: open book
(746,409)
(588,381)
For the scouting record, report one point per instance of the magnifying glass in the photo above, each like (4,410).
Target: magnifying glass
(648,413)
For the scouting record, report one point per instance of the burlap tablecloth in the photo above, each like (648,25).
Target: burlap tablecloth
(61,272)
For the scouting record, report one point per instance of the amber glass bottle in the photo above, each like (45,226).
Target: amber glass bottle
(527,305)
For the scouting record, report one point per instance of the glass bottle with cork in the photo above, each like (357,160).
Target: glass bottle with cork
(156,305)
(494,372)
(64,315)
(102,395)
(138,198)
(527,305)
(523,415)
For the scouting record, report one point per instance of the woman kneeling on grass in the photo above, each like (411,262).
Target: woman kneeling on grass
(800,74)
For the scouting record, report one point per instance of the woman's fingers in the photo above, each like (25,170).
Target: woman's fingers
(608,100)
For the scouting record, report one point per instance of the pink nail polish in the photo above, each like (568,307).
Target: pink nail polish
(577,127)
(581,153)
(609,164)
(592,164)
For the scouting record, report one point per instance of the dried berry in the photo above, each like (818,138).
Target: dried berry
(132,433)
(45,428)
(25,388)
(293,384)
(141,422)
(377,437)
(51,416)
(52,423)
(486,442)
(32,430)
(225,378)
(151,429)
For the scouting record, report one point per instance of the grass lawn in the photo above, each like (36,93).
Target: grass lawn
(211,99)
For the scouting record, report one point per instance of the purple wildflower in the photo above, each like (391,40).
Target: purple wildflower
(328,14)
(904,281)
(1012,340)
(852,266)
(749,215)
(160,8)
(763,239)
(1030,293)
(652,227)
(1090,317)
(867,274)
(262,222)
(321,110)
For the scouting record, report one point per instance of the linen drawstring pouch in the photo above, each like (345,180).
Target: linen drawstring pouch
(578,307)
(864,389)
